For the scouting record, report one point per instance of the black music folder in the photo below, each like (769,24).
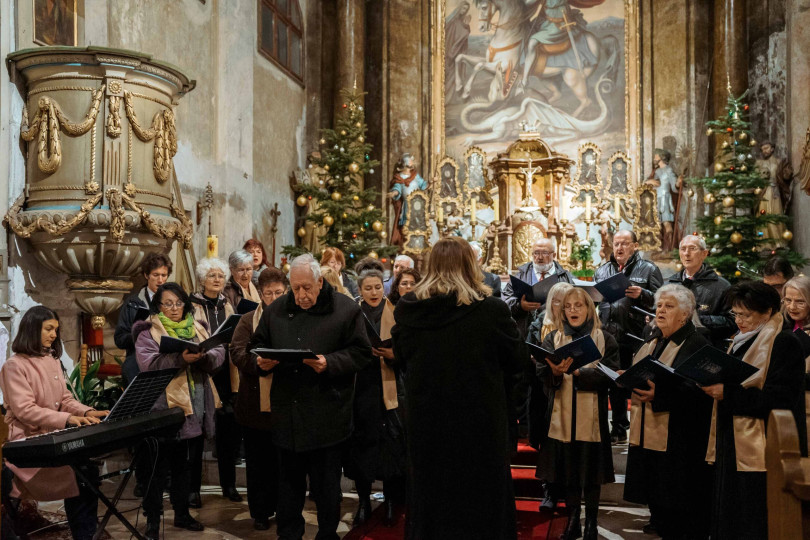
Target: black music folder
(246,306)
(374,337)
(609,290)
(647,369)
(534,293)
(286,356)
(583,351)
(709,365)
(221,336)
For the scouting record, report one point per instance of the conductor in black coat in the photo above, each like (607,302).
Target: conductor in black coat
(311,403)
(458,346)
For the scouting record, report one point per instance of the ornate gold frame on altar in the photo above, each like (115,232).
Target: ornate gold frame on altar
(447,190)
(475,160)
(632,82)
(593,182)
(416,230)
(647,226)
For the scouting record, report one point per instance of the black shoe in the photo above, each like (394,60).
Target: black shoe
(261,524)
(590,528)
(189,523)
(549,503)
(618,435)
(194,500)
(649,528)
(231,494)
(573,530)
(363,512)
(390,516)
(152,529)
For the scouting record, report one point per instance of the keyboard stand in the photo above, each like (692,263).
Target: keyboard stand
(111,504)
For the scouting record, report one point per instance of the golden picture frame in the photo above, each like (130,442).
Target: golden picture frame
(55,22)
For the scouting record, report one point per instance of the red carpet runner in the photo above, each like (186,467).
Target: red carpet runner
(532,525)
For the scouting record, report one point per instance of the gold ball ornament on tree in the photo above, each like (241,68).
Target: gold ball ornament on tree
(377,226)
(322,141)
(787,235)
(719,166)
(345,215)
(744,168)
(373,255)
(358,125)
(285,268)
(361,139)
(301,201)
(354,167)
(709,132)
(383,235)
(718,220)
(355,198)
(343,132)
(326,167)
(757,191)
(708,198)
(370,208)
(753,142)
(691,192)
(679,267)
(328,220)
(742,136)
(725,144)
(336,195)
(736,237)
(302,232)
(728,201)
(730,183)
(737,273)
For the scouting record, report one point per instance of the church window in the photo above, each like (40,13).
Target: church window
(281,36)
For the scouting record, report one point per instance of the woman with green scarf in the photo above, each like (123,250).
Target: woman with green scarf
(192,390)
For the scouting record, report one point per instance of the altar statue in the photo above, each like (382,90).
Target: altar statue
(405,181)
(771,200)
(665,183)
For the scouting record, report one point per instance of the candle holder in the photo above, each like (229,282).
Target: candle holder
(588,222)
(564,240)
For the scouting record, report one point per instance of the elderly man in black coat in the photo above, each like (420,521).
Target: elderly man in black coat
(709,290)
(620,319)
(311,403)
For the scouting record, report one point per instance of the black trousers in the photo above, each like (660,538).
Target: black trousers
(82,510)
(261,464)
(323,468)
(228,443)
(618,396)
(174,456)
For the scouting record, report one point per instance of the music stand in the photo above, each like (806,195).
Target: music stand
(137,400)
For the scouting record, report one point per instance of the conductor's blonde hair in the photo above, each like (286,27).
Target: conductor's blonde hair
(453,269)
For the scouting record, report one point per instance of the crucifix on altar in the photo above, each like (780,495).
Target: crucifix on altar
(529,203)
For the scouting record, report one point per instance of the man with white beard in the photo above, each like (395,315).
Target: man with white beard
(528,397)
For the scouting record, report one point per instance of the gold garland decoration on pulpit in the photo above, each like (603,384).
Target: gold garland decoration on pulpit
(12,219)
(46,125)
(164,133)
(182,231)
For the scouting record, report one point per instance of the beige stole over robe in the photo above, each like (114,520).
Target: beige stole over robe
(656,424)
(178,393)
(389,378)
(749,432)
(265,381)
(252,293)
(200,313)
(587,428)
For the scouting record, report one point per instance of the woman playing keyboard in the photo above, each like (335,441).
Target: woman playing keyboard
(37,401)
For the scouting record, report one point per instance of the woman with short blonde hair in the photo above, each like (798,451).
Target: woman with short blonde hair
(330,276)
(453,269)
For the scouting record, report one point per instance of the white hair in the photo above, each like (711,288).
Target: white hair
(400,258)
(208,264)
(309,261)
(239,257)
(549,239)
(682,295)
(701,242)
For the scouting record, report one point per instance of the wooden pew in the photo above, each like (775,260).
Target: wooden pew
(788,480)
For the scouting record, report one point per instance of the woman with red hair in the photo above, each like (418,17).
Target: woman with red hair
(333,257)
(260,262)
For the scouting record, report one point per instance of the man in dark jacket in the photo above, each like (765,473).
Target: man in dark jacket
(621,320)
(528,397)
(709,290)
(156,269)
(311,403)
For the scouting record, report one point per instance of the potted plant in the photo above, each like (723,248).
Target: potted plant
(582,253)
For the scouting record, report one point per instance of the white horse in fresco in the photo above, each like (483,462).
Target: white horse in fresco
(506,48)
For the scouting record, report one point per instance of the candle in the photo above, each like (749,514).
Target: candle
(562,208)
(439,214)
(497,210)
(587,206)
(213,246)
(617,208)
(472,210)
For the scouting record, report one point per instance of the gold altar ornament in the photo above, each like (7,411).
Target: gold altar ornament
(736,237)
(728,201)
(301,201)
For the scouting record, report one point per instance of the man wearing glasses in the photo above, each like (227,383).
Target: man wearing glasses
(621,320)
(709,290)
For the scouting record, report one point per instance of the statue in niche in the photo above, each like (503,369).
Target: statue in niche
(771,200)
(784,179)
(665,183)
(606,229)
(406,180)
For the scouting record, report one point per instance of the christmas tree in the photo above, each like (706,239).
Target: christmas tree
(350,218)
(734,225)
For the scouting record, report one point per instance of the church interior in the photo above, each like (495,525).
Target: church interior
(187,127)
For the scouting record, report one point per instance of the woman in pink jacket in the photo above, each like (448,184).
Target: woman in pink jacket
(38,401)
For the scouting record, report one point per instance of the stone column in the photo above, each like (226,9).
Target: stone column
(351,17)
(730,52)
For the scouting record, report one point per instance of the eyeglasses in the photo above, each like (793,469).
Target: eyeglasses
(798,304)
(577,307)
(542,253)
(742,316)
(170,305)
(215,276)
(622,244)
